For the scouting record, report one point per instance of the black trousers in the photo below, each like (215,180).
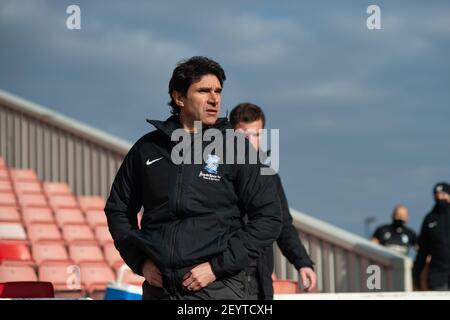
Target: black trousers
(243,286)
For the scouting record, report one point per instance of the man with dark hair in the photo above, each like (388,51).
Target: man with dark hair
(434,242)
(250,119)
(193,243)
(396,236)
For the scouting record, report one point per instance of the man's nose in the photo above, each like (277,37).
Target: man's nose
(213,98)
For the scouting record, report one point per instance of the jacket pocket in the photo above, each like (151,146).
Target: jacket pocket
(200,238)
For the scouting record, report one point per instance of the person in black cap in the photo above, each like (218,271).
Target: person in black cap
(434,242)
(396,236)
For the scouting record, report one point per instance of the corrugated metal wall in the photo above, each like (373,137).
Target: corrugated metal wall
(342,260)
(56,153)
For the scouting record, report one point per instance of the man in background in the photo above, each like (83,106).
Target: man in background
(250,119)
(434,242)
(396,236)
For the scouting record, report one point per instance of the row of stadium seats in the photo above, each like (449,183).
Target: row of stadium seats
(49,234)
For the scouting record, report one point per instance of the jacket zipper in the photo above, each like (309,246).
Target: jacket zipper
(175,232)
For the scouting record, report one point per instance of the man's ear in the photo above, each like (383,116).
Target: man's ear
(178,98)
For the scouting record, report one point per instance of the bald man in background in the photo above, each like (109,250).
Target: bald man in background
(396,236)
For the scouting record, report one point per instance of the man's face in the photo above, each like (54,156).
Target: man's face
(252,131)
(401,214)
(439,196)
(201,103)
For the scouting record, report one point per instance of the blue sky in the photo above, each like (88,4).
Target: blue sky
(364,115)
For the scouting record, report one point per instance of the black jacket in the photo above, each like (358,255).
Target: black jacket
(434,240)
(190,216)
(290,245)
(396,236)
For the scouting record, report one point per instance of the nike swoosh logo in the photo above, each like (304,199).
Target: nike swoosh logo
(432,224)
(153,161)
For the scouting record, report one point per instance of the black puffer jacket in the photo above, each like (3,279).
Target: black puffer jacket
(190,215)
(290,245)
(434,240)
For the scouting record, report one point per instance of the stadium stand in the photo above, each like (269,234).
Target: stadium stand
(15,254)
(102,234)
(48,235)
(37,215)
(67,216)
(5,184)
(44,232)
(56,189)
(95,218)
(63,150)
(49,253)
(10,214)
(11,231)
(11,273)
(65,279)
(78,234)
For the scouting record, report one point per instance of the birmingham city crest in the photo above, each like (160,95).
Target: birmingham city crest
(212,163)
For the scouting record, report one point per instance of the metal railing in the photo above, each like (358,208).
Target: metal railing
(342,259)
(57,147)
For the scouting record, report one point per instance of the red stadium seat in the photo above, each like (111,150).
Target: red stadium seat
(127,276)
(31,187)
(2,163)
(9,214)
(8,199)
(12,231)
(44,232)
(4,175)
(17,273)
(49,252)
(95,277)
(69,216)
(112,256)
(26,289)
(23,175)
(65,277)
(96,218)
(103,235)
(85,253)
(56,188)
(32,200)
(32,215)
(78,234)
(6,186)
(15,254)
(91,203)
(63,202)
(285,286)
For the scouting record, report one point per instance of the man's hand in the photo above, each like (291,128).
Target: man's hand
(199,277)
(152,274)
(308,277)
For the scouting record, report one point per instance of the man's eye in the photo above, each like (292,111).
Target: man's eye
(252,134)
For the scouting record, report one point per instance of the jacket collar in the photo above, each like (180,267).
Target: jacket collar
(173,122)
